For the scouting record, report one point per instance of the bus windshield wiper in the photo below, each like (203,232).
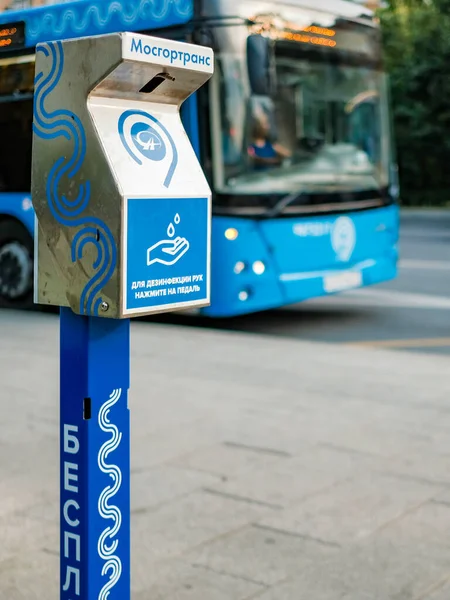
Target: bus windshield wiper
(283,203)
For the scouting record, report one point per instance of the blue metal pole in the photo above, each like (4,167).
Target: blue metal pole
(95,457)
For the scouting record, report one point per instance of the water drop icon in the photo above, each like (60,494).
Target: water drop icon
(171,230)
(177,219)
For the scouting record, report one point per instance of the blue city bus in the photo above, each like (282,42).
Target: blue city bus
(293,132)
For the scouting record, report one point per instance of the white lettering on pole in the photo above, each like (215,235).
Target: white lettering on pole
(69,572)
(67,519)
(71,443)
(68,476)
(76,538)
(71,508)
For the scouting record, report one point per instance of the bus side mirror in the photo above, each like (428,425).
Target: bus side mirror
(260,65)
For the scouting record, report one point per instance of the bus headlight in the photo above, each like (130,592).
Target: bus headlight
(258,267)
(231,233)
(243,295)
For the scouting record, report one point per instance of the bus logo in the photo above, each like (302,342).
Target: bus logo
(148,142)
(343,238)
(145,137)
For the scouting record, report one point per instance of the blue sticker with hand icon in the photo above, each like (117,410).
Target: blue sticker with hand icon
(167,252)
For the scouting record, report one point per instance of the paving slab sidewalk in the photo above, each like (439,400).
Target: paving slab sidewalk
(261,467)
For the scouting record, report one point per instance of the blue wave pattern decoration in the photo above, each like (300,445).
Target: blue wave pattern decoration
(94,17)
(68,212)
(108,541)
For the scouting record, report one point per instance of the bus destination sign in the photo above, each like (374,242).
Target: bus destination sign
(12,36)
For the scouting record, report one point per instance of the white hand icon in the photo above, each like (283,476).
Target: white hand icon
(167,252)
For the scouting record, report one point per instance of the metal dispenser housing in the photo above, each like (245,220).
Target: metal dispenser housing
(123,207)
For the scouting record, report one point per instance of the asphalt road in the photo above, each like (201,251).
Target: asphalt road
(411,313)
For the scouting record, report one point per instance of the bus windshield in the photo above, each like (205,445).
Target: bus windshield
(324,129)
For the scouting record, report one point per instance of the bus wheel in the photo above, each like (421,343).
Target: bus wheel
(16,265)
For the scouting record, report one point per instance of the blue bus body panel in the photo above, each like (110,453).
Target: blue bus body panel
(18,206)
(94,17)
(302,257)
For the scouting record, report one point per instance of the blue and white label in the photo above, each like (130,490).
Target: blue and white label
(177,57)
(167,254)
(159,51)
(147,140)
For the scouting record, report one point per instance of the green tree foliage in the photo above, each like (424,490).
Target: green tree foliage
(417,57)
